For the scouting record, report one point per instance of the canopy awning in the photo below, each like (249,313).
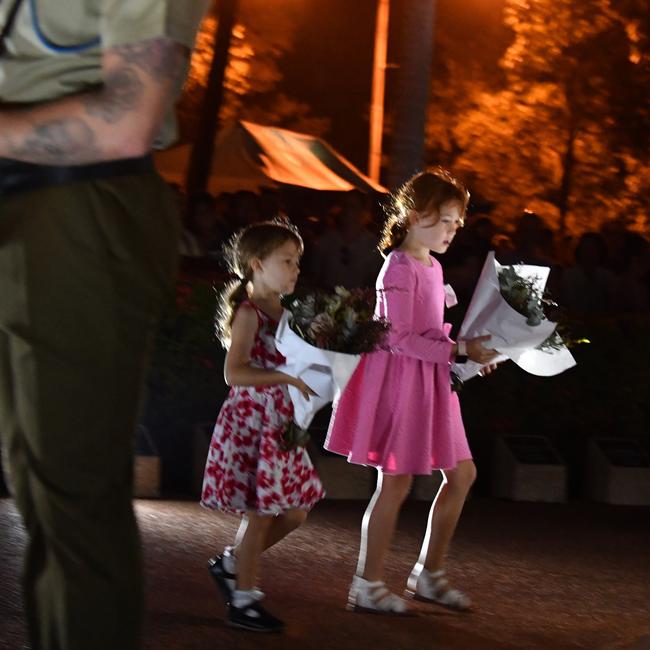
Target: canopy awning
(250,156)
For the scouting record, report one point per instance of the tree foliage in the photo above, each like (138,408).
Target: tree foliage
(262,36)
(563,130)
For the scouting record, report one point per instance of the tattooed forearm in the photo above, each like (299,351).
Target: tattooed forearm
(118,119)
(122,93)
(62,141)
(160,59)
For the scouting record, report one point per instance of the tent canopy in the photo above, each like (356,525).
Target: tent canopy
(249,156)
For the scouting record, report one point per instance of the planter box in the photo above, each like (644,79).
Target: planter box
(528,468)
(200,446)
(425,488)
(146,466)
(342,480)
(617,472)
(146,477)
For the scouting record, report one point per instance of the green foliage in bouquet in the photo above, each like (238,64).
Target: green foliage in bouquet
(294,436)
(525,298)
(456,382)
(342,321)
(522,295)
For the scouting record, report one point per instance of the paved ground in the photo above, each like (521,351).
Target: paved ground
(552,577)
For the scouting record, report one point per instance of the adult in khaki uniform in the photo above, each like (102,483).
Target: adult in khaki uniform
(87,254)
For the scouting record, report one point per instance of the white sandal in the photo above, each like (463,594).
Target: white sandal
(434,588)
(375,598)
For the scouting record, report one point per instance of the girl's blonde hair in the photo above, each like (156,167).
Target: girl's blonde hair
(256,241)
(423,192)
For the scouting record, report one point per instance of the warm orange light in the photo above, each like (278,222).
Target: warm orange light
(378,89)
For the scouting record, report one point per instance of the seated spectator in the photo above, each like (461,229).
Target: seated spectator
(587,286)
(245,209)
(531,242)
(347,255)
(188,245)
(270,204)
(464,262)
(631,292)
(206,228)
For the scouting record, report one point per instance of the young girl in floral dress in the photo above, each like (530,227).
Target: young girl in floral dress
(248,472)
(398,412)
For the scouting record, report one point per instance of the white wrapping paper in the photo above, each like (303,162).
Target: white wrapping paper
(325,372)
(489,313)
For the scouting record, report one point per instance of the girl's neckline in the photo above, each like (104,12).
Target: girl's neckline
(418,262)
(258,308)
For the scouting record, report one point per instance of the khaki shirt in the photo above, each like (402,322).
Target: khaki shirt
(55,46)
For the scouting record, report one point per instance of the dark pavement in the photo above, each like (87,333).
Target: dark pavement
(544,576)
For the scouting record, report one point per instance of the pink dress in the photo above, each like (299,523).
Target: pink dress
(398,412)
(246,467)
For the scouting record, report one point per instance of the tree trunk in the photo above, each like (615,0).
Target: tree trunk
(412,88)
(568,164)
(202,151)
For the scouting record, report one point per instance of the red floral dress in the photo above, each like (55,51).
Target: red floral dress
(246,467)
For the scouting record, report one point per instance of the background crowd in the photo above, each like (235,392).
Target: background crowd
(600,272)
(600,278)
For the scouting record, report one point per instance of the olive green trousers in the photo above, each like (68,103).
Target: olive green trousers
(84,271)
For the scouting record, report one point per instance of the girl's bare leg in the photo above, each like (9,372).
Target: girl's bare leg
(279,527)
(444,514)
(379,523)
(250,548)
(284,524)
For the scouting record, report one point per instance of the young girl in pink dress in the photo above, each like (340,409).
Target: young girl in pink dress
(247,471)
(398,412)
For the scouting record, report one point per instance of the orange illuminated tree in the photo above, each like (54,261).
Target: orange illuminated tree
(566,131)
(262,35)
(203,148)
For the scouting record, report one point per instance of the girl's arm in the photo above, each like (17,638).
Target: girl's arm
(434,346)
(238,370)
(399,299)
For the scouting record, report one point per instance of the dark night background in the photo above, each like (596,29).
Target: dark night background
(542,109)
(331,63)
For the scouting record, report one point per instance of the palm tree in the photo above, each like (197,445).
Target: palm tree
(416,19)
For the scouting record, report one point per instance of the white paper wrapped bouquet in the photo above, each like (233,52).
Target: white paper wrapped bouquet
(509,304)
(322,336)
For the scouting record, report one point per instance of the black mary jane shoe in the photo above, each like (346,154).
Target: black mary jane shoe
(253,617)
(225,581)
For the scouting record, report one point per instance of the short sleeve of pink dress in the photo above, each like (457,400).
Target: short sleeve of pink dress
(398,412)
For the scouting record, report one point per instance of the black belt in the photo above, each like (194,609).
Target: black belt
(18,176)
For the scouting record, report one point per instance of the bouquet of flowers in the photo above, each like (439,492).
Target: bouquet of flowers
(524,296)
(509,304)
(322,337)
(340,322)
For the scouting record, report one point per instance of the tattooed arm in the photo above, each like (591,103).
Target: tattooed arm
(118,120)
